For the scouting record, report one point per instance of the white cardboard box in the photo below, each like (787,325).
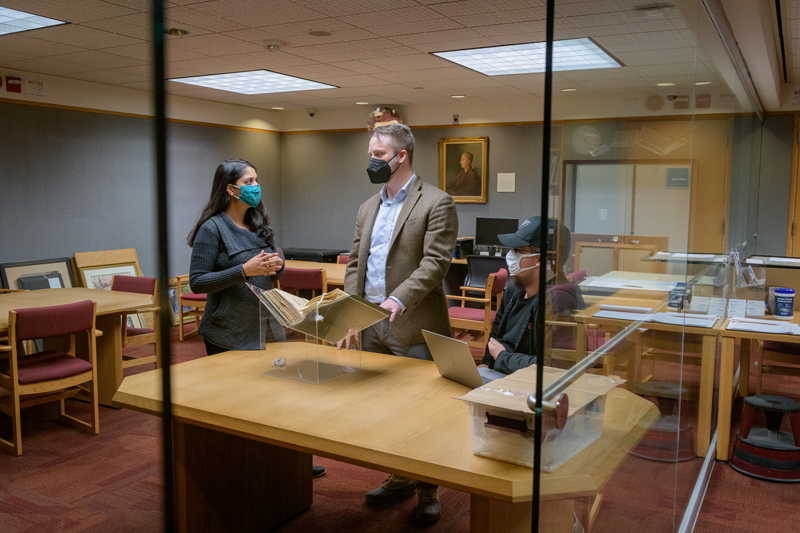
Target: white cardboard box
(502,423)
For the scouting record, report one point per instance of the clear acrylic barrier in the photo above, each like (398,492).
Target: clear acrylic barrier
(311,355)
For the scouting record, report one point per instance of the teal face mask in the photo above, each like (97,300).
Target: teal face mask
(250,194)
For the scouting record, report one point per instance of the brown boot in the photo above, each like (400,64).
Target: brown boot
(393,489)
(429,509)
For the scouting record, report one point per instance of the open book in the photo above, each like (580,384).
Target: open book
(328,317)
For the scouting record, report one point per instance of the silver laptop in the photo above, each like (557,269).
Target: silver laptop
(453,359)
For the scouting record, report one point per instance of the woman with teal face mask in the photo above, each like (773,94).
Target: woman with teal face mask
(233,243)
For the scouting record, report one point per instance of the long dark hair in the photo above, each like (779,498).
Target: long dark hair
(256,218)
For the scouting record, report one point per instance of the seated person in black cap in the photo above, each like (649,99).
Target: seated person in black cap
(513,337)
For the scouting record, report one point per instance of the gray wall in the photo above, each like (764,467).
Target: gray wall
(77,181)
(325,180)
(74,181)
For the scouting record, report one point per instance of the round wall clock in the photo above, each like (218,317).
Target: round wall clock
(654,102)
(585,139)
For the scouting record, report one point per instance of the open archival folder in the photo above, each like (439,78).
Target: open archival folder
(328,317)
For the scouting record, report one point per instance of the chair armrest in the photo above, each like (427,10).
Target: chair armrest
(5,348)
(469,299)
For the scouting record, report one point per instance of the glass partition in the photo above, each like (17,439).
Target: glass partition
(651,175)
(647,187)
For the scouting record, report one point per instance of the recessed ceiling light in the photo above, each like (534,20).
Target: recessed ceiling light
(362,103)
(570,54)
(320,33)
(277,108)
(457,96)
(702,83)
(665,84)
(13,21)
(178,32)
(254,82)
(569,90)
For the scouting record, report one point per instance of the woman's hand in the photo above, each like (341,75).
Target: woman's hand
(263,264)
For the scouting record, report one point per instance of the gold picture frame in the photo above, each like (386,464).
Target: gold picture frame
(464,168)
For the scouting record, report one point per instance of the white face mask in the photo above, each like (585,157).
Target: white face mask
(513,259)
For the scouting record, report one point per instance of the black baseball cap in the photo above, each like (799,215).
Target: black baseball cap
(526,235)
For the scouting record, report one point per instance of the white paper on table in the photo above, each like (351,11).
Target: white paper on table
(716,306)
(763,326)
(699,304)
(678,319)
(619,315)
(785,260)
(625,308)
(755,308)
(736,308)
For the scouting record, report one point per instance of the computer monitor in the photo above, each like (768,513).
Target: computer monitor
(487,230)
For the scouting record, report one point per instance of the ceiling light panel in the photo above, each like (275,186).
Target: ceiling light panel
(13,21)
(573,54)
(254,82)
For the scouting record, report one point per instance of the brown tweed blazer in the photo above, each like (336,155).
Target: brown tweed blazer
(419,255)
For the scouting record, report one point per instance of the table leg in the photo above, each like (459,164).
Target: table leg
(488,515)
(109,356)
(229,483)
(744,367)
(725,398)
(706,394)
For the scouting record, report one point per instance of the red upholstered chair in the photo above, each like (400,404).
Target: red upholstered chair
(577,276)
(297,280)
(474,324)
(343,259)
(190,304)
(139,336)
(52,375)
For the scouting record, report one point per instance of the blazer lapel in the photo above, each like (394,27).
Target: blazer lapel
(414,194)
(369,223)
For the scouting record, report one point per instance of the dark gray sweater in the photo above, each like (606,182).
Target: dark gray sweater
(233,317)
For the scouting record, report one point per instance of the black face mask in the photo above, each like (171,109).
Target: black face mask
(379,170)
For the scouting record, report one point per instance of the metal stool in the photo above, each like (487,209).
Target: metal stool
(768,453)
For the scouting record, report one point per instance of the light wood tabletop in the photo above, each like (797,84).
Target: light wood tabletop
(395,414)
(110,306)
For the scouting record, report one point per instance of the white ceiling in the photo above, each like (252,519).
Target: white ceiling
(377,51)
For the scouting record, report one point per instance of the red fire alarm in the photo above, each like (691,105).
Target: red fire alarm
(13,84)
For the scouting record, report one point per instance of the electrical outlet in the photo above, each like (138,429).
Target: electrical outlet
(455,119)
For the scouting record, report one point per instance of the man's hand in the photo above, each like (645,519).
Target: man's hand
(495,348)
(351,337)
(392,306)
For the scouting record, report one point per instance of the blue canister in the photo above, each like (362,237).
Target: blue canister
(784,303)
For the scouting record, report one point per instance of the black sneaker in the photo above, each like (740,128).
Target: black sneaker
(318,471)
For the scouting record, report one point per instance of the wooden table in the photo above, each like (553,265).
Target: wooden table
(334,272)
(726,373)
(110,306)
(395,414)
(658,304)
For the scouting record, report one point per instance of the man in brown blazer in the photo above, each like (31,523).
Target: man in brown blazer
(402,247)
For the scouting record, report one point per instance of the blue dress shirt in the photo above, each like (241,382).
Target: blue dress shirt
(382,230)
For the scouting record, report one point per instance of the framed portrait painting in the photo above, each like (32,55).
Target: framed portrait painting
(464,168)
